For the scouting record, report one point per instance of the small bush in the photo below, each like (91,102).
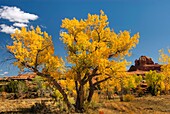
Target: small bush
(128,97)
(140,92)
(16,87)
(40,108)
(2,89)
(12,87)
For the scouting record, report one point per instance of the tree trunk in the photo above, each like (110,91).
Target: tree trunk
(69,105)
(80,98)
(91,92)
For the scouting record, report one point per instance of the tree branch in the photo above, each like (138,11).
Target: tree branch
(56,84)
(118,51)
(98,35)
(98,82)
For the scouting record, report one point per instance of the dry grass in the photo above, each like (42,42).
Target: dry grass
(156,104)
(143,105)
(16,105)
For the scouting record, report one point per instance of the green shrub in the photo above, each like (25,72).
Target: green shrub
(16,87)
(40,108)
(12,87)
(22,88)
(2,89)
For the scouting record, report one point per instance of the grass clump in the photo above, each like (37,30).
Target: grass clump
(128,98)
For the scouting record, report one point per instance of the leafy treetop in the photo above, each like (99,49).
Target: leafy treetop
(92,44)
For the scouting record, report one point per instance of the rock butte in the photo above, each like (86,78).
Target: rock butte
(143,65)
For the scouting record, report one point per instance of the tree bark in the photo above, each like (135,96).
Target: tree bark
(80,98)
(91,91)
(60,89)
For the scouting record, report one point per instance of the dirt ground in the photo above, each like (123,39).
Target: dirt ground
(142,105)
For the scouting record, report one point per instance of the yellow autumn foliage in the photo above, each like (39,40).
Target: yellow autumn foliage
(33,49)
(165,60)
(91,41)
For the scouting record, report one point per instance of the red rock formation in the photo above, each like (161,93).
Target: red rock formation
(141,63)
(28,76)
(144,60)
(144,63)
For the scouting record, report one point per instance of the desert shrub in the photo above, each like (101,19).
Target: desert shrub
(12,87)
(140,92)
(33,89)
(22,88)
(128,97)
(3,95)
(40,108)
(40,86)
(16,87)
(2,88)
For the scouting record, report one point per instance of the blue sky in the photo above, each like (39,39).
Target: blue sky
(149,17)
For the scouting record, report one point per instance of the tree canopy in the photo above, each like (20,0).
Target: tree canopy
(95,51)
(165,59)
(92,44)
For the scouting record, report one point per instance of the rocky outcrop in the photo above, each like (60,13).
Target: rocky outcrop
(144,63)
(144,60)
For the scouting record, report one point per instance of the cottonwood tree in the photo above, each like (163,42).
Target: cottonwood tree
(155,82)
(165,60)
(95,51)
